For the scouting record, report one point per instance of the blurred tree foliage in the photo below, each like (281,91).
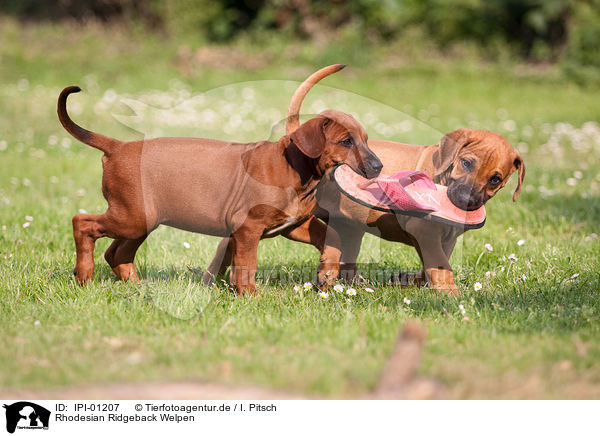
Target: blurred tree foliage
(568,30)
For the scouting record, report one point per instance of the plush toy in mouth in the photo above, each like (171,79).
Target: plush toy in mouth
(407,193)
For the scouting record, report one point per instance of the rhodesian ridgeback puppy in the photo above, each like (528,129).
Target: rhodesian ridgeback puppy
(473,164)
(240,191)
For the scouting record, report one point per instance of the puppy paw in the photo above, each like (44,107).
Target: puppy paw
(208,279)
(83,276)
(126,272)
(449,289)
(247,291)
(442,280)
(327,275)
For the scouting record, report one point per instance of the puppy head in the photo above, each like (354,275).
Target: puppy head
(475,165)
(333,138)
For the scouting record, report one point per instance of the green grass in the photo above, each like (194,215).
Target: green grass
(532,336)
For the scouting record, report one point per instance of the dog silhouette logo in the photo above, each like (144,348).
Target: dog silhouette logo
(26,415)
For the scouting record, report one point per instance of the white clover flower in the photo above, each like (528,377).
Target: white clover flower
(338,288)
(489,247)
(186,245)
(578,175)
(521,242)
(574,276)
(27,224)
(28,218)
(512,257)
(406,301)
(37,323)
(524,277)
(510,125)
(307,286)
(65,143)
(461,307)
(488,274)
(477,286)
(350,291)
(324,295)
(369,290)
(297,288)
(571,181)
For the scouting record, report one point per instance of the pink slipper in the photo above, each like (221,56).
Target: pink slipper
(407,193)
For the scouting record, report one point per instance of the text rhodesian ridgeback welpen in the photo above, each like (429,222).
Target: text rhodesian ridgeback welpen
(241,191)
(473,164)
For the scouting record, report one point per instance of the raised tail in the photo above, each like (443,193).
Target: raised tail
(95,140)
(293,117)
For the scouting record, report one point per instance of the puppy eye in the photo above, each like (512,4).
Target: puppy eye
(466,164)
(346,142)
(494,180)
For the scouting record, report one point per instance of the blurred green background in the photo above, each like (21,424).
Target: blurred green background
(563,32)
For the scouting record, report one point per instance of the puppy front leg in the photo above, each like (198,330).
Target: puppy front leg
(442,280)
(351,236)
(120,256)
(244,252)
(435,261)
(327,241)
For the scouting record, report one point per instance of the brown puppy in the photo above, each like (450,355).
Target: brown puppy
(474,164)
(318,232)
(242,191)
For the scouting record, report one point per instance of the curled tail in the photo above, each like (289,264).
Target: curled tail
(95,140)
(293,117)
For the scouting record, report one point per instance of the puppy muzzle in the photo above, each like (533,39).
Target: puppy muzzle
(464,196)
(372,167)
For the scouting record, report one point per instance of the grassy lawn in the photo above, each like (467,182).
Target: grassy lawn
(532,331)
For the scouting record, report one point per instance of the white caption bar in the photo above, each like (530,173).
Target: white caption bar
(298,417)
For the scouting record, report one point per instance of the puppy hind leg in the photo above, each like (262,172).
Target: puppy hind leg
(419,278)
(87,229)
(351,237)
(221,261)
(120,256)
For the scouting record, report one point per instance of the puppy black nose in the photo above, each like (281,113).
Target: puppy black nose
(373,167)
(464,196)
(377,165)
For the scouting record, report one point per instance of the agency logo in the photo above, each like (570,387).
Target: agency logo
(26,415)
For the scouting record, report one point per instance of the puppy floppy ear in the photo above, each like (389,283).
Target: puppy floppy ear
(448,149)
(519,165)
(310,136)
